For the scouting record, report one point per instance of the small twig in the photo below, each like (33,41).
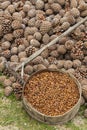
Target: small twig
(51,43)
(22,71)
(6,65)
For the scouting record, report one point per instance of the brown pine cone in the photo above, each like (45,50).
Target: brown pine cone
(30,50)
(81,72)
(17,88)
(5,72)
(6,54)
(45,27)
(19,41)
(18,33)
(77,52)
(5,26)
(52,60)
(55,7)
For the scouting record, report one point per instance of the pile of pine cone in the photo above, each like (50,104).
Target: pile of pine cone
(26,26)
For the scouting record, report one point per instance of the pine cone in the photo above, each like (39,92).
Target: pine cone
(38,23)
(19,5)
(55,7)
(6,26)
(77,52)
(39,4)
(16,24)
(17,88)
(5,72)
(18,33)
(84,91)
(81,73)
(45,27)
(6,54)
(31,22)
(52,60)
(19,41)
(30,50)
(78,35)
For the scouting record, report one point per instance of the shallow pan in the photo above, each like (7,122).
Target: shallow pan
(60,119)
